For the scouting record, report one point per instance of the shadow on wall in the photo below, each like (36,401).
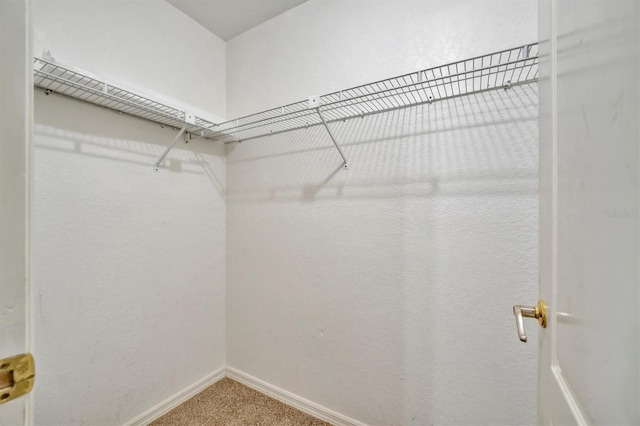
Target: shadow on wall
(121,139)
(455,147)
(384,292)
(125,260)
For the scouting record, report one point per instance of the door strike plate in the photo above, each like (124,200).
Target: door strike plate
(17,375)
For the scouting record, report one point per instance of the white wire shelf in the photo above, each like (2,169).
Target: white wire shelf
(497,70)
(53,78)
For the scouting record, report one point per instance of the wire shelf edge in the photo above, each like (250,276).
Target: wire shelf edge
(51,77)
(502,69)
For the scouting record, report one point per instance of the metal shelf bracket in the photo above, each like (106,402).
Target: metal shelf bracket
(333,139)
(156,168)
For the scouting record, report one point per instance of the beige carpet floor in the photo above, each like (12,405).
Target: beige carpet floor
(230,403)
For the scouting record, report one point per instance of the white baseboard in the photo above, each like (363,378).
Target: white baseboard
(286,397)
(291,399)
(177,399)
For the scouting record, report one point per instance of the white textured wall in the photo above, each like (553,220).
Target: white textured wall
(323,46)
(146,44)
(384,292)
(128,264)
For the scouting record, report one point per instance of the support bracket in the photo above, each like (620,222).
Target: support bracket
(156,168)
(333,139)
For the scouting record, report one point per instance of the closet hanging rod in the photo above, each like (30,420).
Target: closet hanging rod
(361,114)
(503,69)
(381,94)
(251,117)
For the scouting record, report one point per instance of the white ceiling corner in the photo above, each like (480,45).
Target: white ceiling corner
(229,18)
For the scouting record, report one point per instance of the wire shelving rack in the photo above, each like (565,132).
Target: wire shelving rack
(498,70)
(50,77)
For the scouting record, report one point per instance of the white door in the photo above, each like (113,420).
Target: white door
(15,151)
(589,228)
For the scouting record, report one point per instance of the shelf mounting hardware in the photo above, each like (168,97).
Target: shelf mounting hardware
(156,168)
(314,103)
(333,139)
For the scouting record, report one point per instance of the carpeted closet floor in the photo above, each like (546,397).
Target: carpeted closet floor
(228,402)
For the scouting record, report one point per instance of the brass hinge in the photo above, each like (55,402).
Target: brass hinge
(17,375)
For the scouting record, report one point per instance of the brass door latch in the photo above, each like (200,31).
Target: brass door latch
(17,375)
(538,312)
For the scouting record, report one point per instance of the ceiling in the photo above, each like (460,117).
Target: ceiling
(229,18)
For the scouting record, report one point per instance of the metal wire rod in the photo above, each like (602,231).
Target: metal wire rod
(156,168)
(333,139)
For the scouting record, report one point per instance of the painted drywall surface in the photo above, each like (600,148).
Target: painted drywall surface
(227,19)
(146,44)
(325,46)
(384,292)
(128,264)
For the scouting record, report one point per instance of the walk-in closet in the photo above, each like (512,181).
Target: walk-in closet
(310,212)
